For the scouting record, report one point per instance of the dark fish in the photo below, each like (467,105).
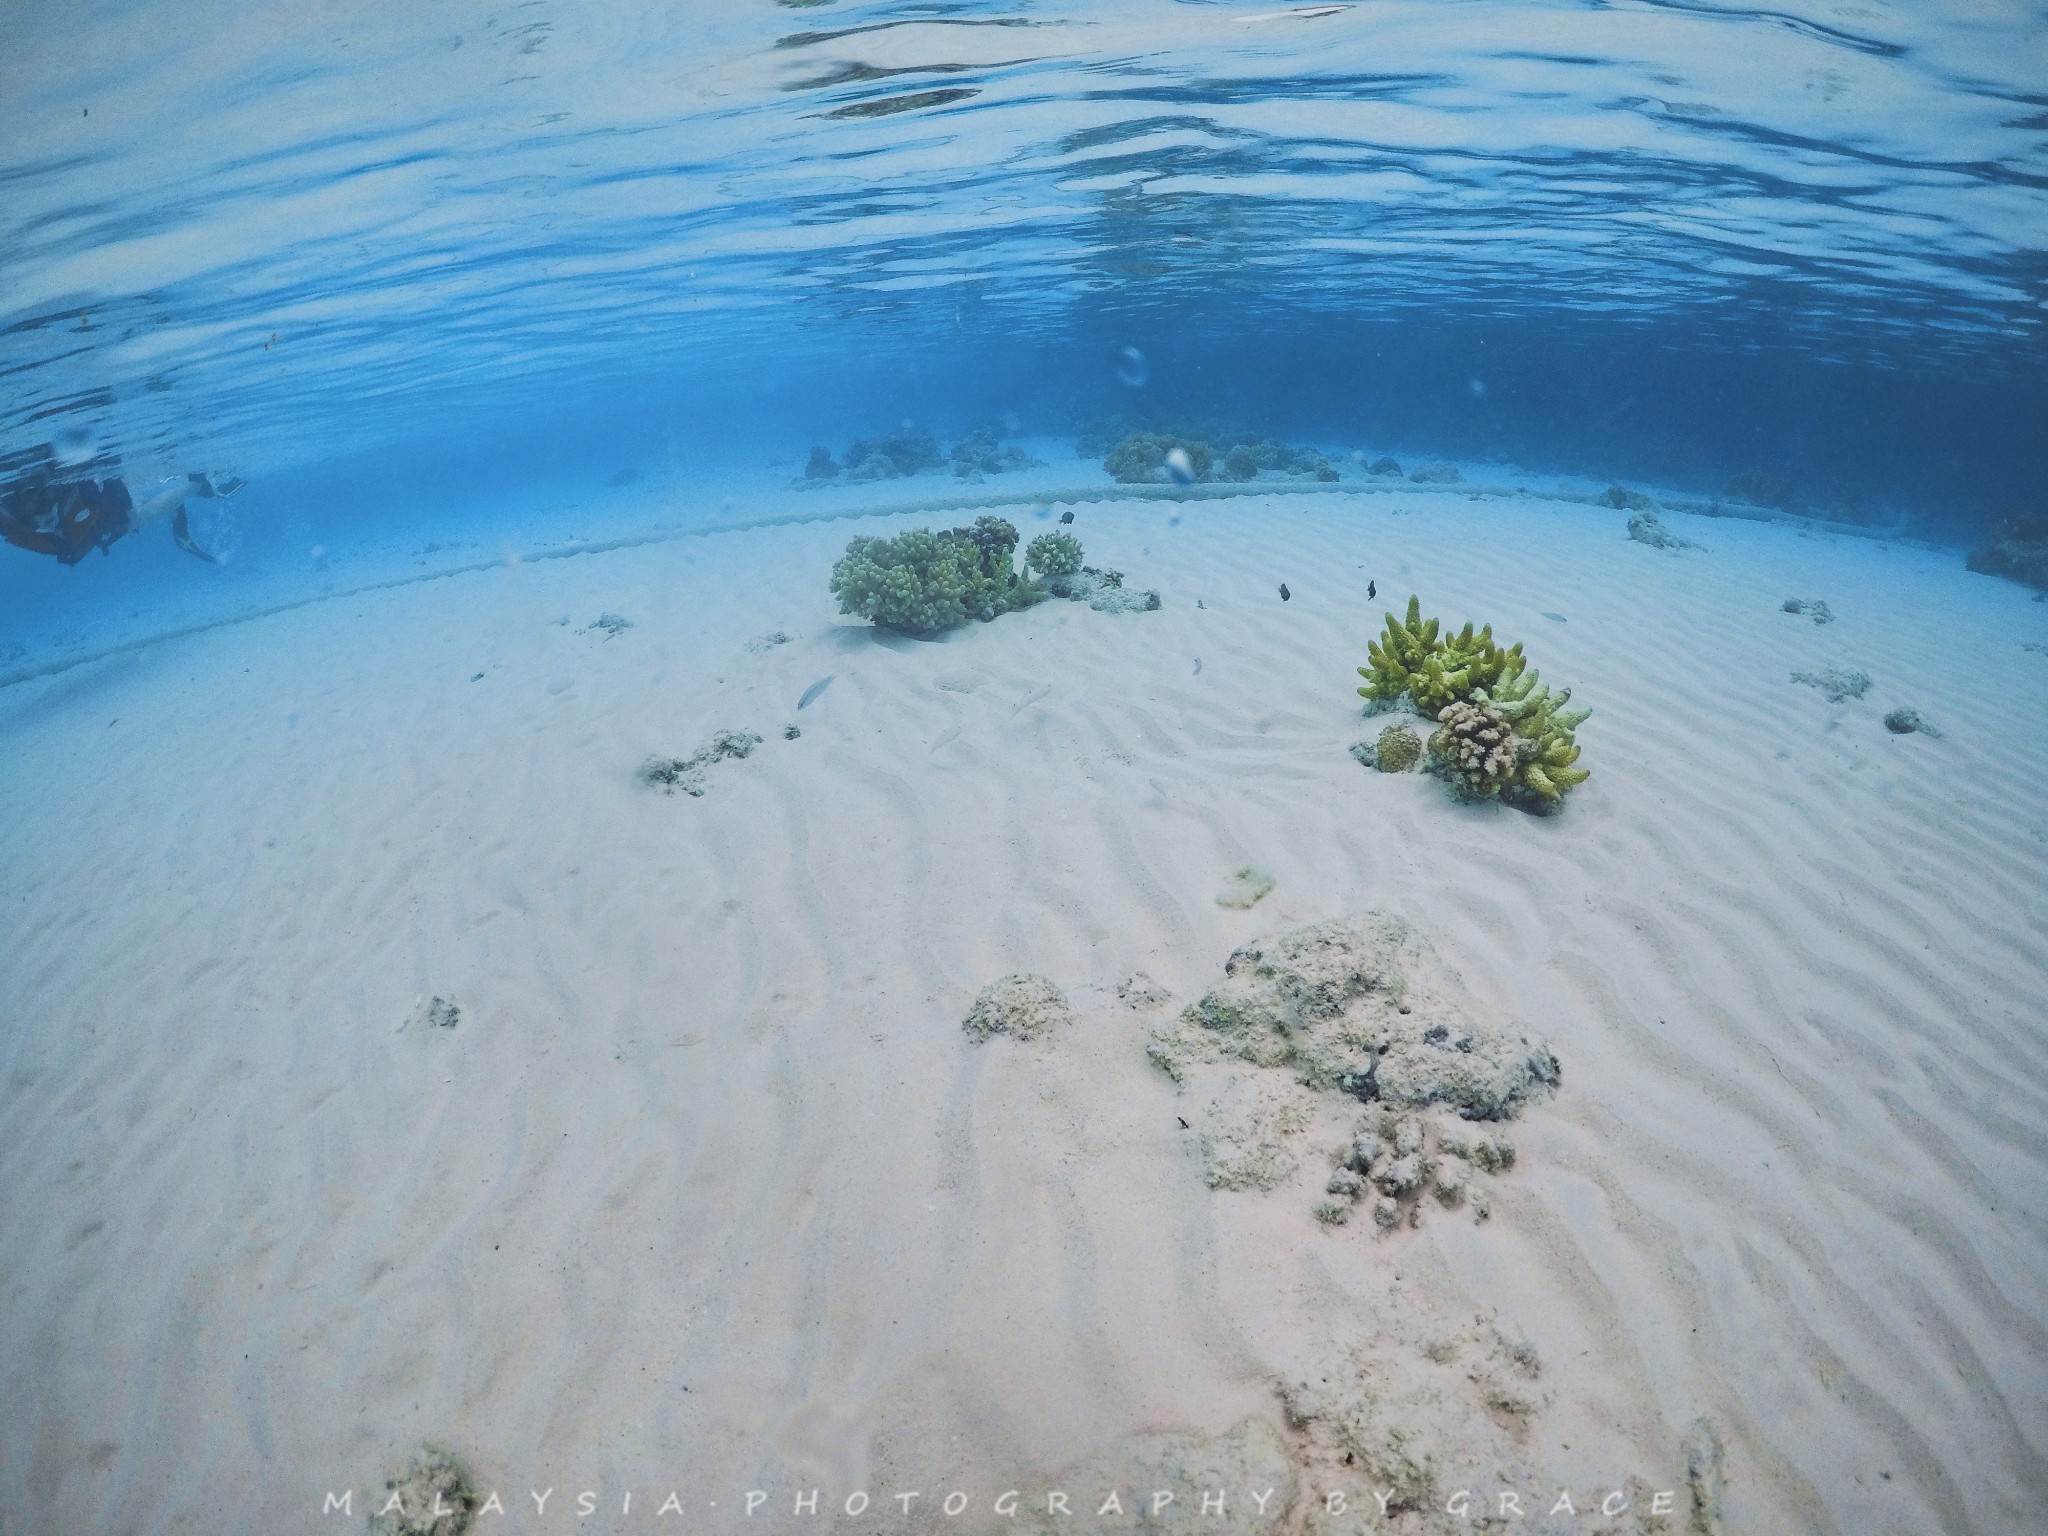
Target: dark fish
(1557,616)
(1183,1122)
(1372,590)
(1284,593)
(1066,517)
(1198,666)
(815,689)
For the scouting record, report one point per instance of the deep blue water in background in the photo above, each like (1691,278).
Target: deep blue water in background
(380,257)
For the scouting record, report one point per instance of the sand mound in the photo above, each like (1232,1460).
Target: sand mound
(1022,1005)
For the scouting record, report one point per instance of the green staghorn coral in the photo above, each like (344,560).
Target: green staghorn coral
(1502,732)
(1415,661)
(1398,655)
(1539,718)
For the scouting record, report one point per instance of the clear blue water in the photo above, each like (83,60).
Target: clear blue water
(454,285)
(384,263)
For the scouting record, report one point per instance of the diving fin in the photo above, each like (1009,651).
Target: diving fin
(181,530)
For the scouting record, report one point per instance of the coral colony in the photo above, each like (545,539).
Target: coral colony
(921,582)
(1145,458)
(1501,734)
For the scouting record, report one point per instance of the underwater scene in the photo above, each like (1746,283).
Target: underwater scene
(1041,766)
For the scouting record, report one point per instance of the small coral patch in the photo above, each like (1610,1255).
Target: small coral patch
(1501,732)
(1245,889)
(434,1498)
(1020,1005)
(1398,750)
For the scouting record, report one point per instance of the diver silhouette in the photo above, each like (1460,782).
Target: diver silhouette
(50,513)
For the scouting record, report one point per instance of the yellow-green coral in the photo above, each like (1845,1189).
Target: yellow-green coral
(1541,721)
(1548,770)
(1503,732)
(1399,655)
(1414,660)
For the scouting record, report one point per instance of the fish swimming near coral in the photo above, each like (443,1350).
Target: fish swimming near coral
(815,689)
(1180,469)
(1067,516)
(1285,595)
(1372,590)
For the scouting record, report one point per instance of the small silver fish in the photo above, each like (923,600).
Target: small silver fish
(1180,469)
(1198,666)
(815,689)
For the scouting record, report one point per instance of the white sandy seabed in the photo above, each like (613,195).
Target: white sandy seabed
(708,1190)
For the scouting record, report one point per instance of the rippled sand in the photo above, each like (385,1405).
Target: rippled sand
(708,1190)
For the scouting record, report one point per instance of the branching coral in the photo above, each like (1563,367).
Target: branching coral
(1544,729)
(1501,731)
(922,582)
(1399,655)
(1053,554)
(1412,660)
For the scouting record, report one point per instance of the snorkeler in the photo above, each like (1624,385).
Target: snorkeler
(70,518)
